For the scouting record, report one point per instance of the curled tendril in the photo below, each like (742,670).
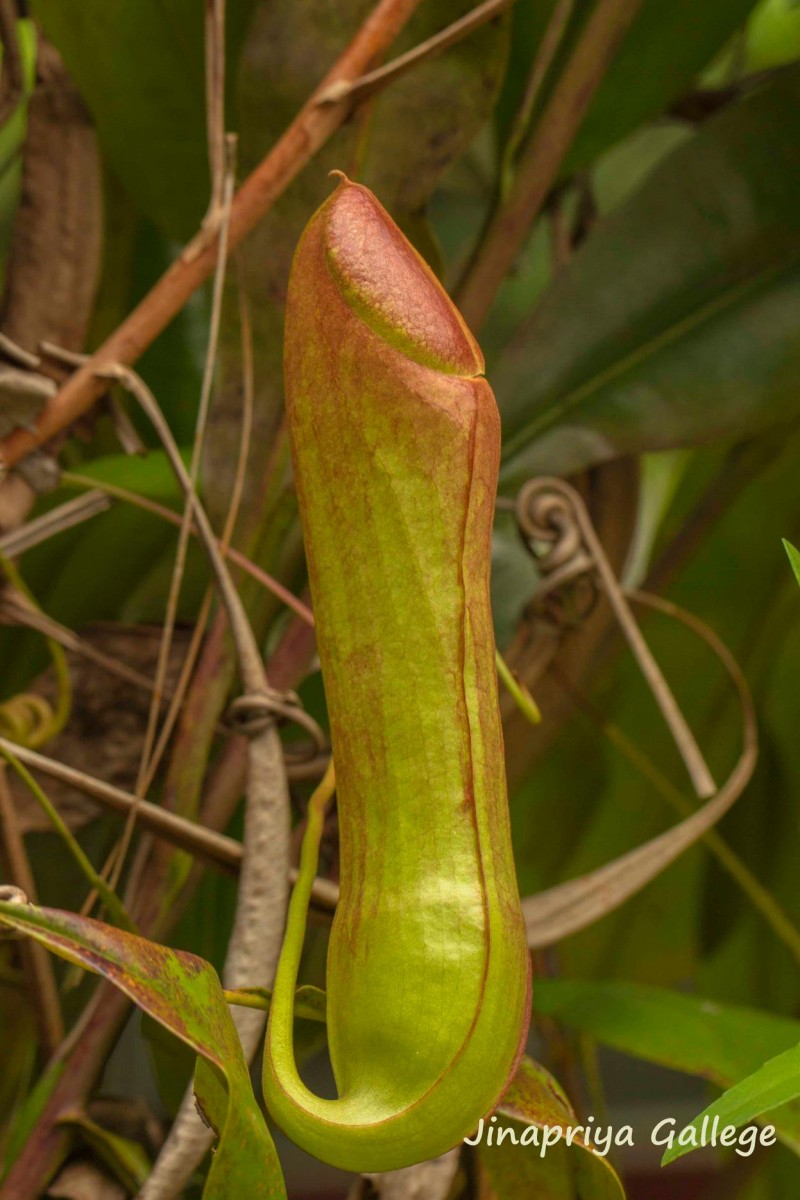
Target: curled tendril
(29,719)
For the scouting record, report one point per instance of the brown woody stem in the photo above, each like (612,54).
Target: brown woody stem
(312,126)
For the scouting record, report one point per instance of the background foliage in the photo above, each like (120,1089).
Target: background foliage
(646,343)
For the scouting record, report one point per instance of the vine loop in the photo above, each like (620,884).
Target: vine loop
(252,712)
(558,531)
(547,522)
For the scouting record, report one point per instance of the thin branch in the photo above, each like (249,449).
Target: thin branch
(217,849)
(553,503)
(252,668)
(367,85)
(33,533)
(564,909)
(215,104)
(38,967)
(82,1058)
(517,690)
(762,900)
(18,354)
(113,905)
(167,514)
(231,518)
(541,159)
(149,761)
(758,895)
(263,886)
(13,608)
(310,129)
(223,852)
(545,55)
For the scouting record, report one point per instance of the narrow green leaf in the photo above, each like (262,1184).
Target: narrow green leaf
(794,557)
(107,896)
(150,475)
(774,1084)
(721,1043)
(125,1158)
(183,993)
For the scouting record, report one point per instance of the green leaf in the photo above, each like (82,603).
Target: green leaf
(773,35)
(139,65)
(668,44)
(665,48)
(774,1084)
(794,557)
(183,993)
(126,1159)
(31,1108)
(677,322)
(150,475)
(12,140)
(90,572)
(539,1162)
(721,1043)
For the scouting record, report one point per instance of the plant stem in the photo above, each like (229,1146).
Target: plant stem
(80,1060)
(541,160)
(37,964)
(454,33)
(770,909)
(114,907)
(310,129)
(71,479)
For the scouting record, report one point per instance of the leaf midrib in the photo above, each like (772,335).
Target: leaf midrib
(673,333)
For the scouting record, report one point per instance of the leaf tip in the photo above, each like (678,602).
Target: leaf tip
(674,1152)
(793,554)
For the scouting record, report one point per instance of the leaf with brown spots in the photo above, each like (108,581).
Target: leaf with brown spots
(183,993)
(526,1163)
